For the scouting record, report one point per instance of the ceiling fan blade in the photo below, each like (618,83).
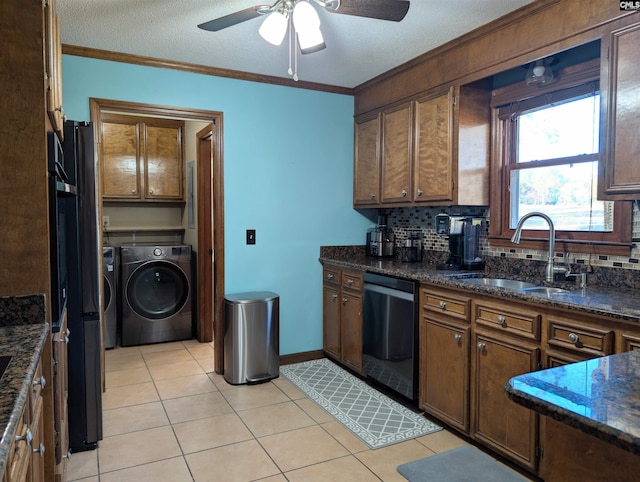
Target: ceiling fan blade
(394,10)
(234,18)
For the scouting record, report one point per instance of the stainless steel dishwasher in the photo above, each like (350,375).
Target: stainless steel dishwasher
(389,333)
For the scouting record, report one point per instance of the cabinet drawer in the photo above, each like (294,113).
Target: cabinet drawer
(507,319)
(457,307)
(352,280)
(579,338)
(330,275)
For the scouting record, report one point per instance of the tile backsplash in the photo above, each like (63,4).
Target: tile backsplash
(402,220)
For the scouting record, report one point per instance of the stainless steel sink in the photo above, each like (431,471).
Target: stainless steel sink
(548,290)
(500,283)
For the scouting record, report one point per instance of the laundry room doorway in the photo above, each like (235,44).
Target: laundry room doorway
(207,200)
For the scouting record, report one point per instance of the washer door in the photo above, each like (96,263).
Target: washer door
(157,290)
(107,292)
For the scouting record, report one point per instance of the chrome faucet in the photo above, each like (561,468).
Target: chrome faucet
(551,269)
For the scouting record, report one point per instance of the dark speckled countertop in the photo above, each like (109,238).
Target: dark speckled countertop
(600,397)
(23,332)
(611,301)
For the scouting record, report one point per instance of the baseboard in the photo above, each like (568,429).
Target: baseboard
(301,357)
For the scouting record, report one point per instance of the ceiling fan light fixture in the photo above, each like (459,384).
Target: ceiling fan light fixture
(305,17)
(274,27)
(310,41)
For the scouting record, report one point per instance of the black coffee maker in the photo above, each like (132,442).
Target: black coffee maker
(464,242)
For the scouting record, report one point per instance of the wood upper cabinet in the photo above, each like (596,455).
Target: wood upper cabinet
(366,179)
(619,176)
(53,68)
(433,171)
(141,158)
(432,150)
(397,155)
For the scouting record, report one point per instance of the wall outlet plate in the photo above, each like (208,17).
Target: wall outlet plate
(105,221)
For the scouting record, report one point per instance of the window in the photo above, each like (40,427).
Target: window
(547,161)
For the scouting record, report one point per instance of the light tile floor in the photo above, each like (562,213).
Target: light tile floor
(167,417)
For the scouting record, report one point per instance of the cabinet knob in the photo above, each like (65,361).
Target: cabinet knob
(330,276)
(502,320)
(42,381)
(419,192)
(372,195)
(404,193)
(40,450)
(133,191)
(335,297)
(573,338)
(150,191)
(349,281)
(344,300)
(28,437)
(442,305)
(481,346)
(457,337)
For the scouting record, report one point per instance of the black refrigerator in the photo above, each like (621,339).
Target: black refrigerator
(83,261)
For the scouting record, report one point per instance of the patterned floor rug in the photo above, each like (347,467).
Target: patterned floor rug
(375,418)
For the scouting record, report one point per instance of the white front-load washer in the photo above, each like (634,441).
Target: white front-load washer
(156,293)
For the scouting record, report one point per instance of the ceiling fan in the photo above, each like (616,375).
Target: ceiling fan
(301,21)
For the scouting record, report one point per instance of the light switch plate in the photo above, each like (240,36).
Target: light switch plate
(251,236)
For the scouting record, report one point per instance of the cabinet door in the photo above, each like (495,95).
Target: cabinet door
(53,57)
(498,422)
(120,160)
(619,174)
(433,163)
(163,162)
(444,371)
(37,444)
(396,155)
(331,320)
(366,176)
(60,383)
(351,319)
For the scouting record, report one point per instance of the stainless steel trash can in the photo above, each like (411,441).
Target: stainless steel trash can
(251,337)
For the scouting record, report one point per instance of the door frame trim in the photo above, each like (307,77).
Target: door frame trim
(214,203)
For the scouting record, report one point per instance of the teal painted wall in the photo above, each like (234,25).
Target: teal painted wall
(288,174)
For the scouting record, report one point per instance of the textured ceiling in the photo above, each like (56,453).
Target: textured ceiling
(358,49)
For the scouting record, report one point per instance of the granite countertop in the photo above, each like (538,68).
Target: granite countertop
(600,397)
(613,302)
(22,337)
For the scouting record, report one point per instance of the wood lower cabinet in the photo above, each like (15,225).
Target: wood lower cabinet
(496,421)
(444,356)
(342,316)
(26,455)
(141,159)
(60,396)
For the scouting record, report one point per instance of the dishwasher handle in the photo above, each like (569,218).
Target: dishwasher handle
(389,292)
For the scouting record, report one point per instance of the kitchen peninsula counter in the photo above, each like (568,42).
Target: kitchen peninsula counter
(600,397)
(23,332)
(591,417)
(609,301)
